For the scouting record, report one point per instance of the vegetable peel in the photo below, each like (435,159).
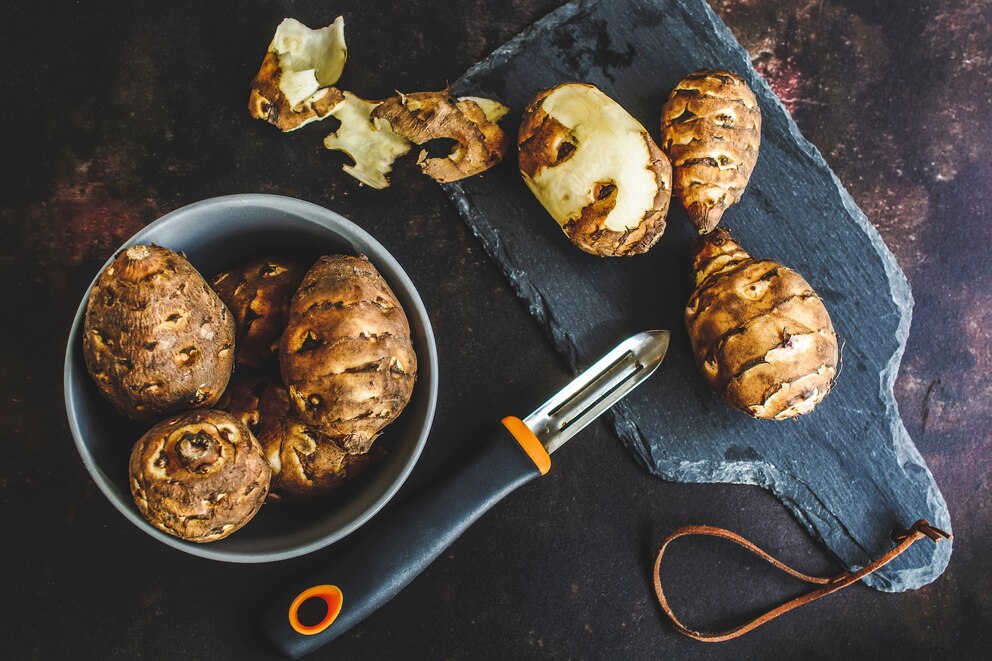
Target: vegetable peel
(368,140)
(294,85)
(424,116)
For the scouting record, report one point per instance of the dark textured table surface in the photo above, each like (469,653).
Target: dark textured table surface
(119,113)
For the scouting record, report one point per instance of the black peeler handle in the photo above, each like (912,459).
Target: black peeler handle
(395,548)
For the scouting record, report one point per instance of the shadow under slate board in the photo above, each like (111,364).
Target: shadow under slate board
(848,471)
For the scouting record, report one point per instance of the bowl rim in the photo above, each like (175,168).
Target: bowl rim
(331,220)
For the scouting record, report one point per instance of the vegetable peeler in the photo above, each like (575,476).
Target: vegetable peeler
(407,539)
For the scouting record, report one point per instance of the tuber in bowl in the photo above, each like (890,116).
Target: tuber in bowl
(217,234)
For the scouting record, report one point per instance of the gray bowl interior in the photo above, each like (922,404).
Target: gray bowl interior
(221,233)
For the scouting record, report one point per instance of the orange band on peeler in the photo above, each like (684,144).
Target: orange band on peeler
(332,596)
(533,447)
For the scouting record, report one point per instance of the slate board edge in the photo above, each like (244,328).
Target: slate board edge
(744,472)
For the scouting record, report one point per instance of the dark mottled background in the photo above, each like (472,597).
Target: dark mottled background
(118,112)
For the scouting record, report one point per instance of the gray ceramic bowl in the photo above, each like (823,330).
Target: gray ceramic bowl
(217,234)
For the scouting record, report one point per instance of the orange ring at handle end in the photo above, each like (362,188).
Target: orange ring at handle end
(529,442)
(332,596)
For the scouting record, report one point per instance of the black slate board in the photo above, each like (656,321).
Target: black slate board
(849,471)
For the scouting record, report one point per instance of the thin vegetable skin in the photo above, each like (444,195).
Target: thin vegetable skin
(294,85)
(304,462)
(711,130)
(424,116)
(258,296)
(761,336)
(199,475)
(346,355)
(368,140)
(156,337)
(595,169)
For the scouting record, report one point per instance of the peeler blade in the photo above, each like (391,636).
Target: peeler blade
(598,388)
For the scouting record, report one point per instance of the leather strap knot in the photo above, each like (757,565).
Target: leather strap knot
(831,584)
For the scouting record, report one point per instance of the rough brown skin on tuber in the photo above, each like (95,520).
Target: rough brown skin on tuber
(346,355)
(595,169)
(711,129)
(258,295)
(156,338)
(199,475)
(305,463)
(761,336)
(424,116)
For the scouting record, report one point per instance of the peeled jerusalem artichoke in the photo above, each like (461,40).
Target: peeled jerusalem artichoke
(595,169)
(711,129)
(761,336)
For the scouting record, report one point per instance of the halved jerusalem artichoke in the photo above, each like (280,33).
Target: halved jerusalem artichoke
(595,169)
(258,295)
(470,122)
(295,83)
(346,355)
(198,475)
(711,129)
(761,336)
(156,338)
(304,462)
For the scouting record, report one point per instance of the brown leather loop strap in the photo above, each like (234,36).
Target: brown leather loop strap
(830,584)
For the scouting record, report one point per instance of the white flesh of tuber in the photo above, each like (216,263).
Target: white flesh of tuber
(610,147)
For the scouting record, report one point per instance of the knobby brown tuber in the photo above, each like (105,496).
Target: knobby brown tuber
(199,475)
(761,336)
(304,462)
(258,295)
(156,337)
(346,355)
(711,130)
